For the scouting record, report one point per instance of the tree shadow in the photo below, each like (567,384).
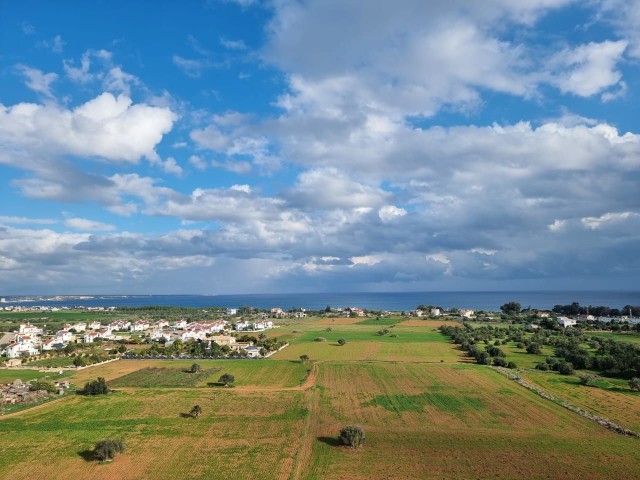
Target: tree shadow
(185,415)
(331,441)
(215,384)
(87,455)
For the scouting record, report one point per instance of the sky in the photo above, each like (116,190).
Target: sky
(281,146)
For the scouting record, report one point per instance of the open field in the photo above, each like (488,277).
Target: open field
(621,337)
(429,323)
(433,421)
(610,398)
(428,412)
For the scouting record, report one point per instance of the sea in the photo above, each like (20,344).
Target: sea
(392,301)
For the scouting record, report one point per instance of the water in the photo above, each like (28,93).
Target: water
(370,301)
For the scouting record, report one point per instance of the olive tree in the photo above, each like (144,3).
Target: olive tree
(106,450)
(227,378)
(352,436)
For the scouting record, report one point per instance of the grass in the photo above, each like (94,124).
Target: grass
(162,377)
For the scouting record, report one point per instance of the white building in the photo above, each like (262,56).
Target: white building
(565,322)
(435,312)
(29,329)
(466,313)
(231,311)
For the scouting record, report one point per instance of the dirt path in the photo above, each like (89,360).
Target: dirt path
(303,456)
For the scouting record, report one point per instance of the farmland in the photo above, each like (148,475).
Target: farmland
(427,409)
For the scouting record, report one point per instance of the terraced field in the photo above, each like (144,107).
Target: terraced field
(428,412)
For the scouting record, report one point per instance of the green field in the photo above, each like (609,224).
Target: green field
(428,412)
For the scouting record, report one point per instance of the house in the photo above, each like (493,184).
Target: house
(416,313)
(242,326)
(300,315)
(64,336)
(586,316)
(78,327)
(252,351)
(224,340)
(139,326)
(95,325)
(565,322)
(466,313)
(159,335)
(435,312)
(28,329)
(231,311)
(180,324)
(17,350)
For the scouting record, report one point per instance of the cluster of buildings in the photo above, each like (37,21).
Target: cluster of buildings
(30,339)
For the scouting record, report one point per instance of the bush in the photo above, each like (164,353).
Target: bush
(499,362)
(107,449)
(48,387)
(304,358)
(227,378)
(565,368)
(587,379)
(542,366)
(352,436)
(96,387)
(341,341)
(634,384)
(534,348)
(512,365)
(195,368)
(483,358)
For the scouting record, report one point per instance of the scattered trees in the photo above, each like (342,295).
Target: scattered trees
(352,436)
(106,450)
(227,379)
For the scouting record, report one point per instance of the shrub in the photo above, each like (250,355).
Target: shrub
(196,411)
(304,358)
(195,368)
(499,362)
(108,449)
(483,358)
(512,365)
(542,366)
(534,348)
(520,345)
(587,379)
(565,368)
(341,341)
(634,384)
(96,387)
(227,378)
(352,436)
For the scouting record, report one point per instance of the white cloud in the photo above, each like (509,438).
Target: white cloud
(232,44)
(108,127)
(198,162)
(38,81)
(588,69)
(26,220)
(389,213)
(596,223)
(190,67)
(84,224)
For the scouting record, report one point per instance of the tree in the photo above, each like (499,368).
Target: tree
(195,368)
(304,358)
(511,308)
(196,410)
(634,384)
(107,449)
(45,385)
(534,348)
(96,387)
(227,378)
(341,341)
(352,436)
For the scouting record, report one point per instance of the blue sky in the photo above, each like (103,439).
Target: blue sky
(245,146)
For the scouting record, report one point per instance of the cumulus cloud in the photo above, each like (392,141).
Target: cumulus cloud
(107,126)
(588,69)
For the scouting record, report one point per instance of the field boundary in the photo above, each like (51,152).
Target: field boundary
(614,427)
